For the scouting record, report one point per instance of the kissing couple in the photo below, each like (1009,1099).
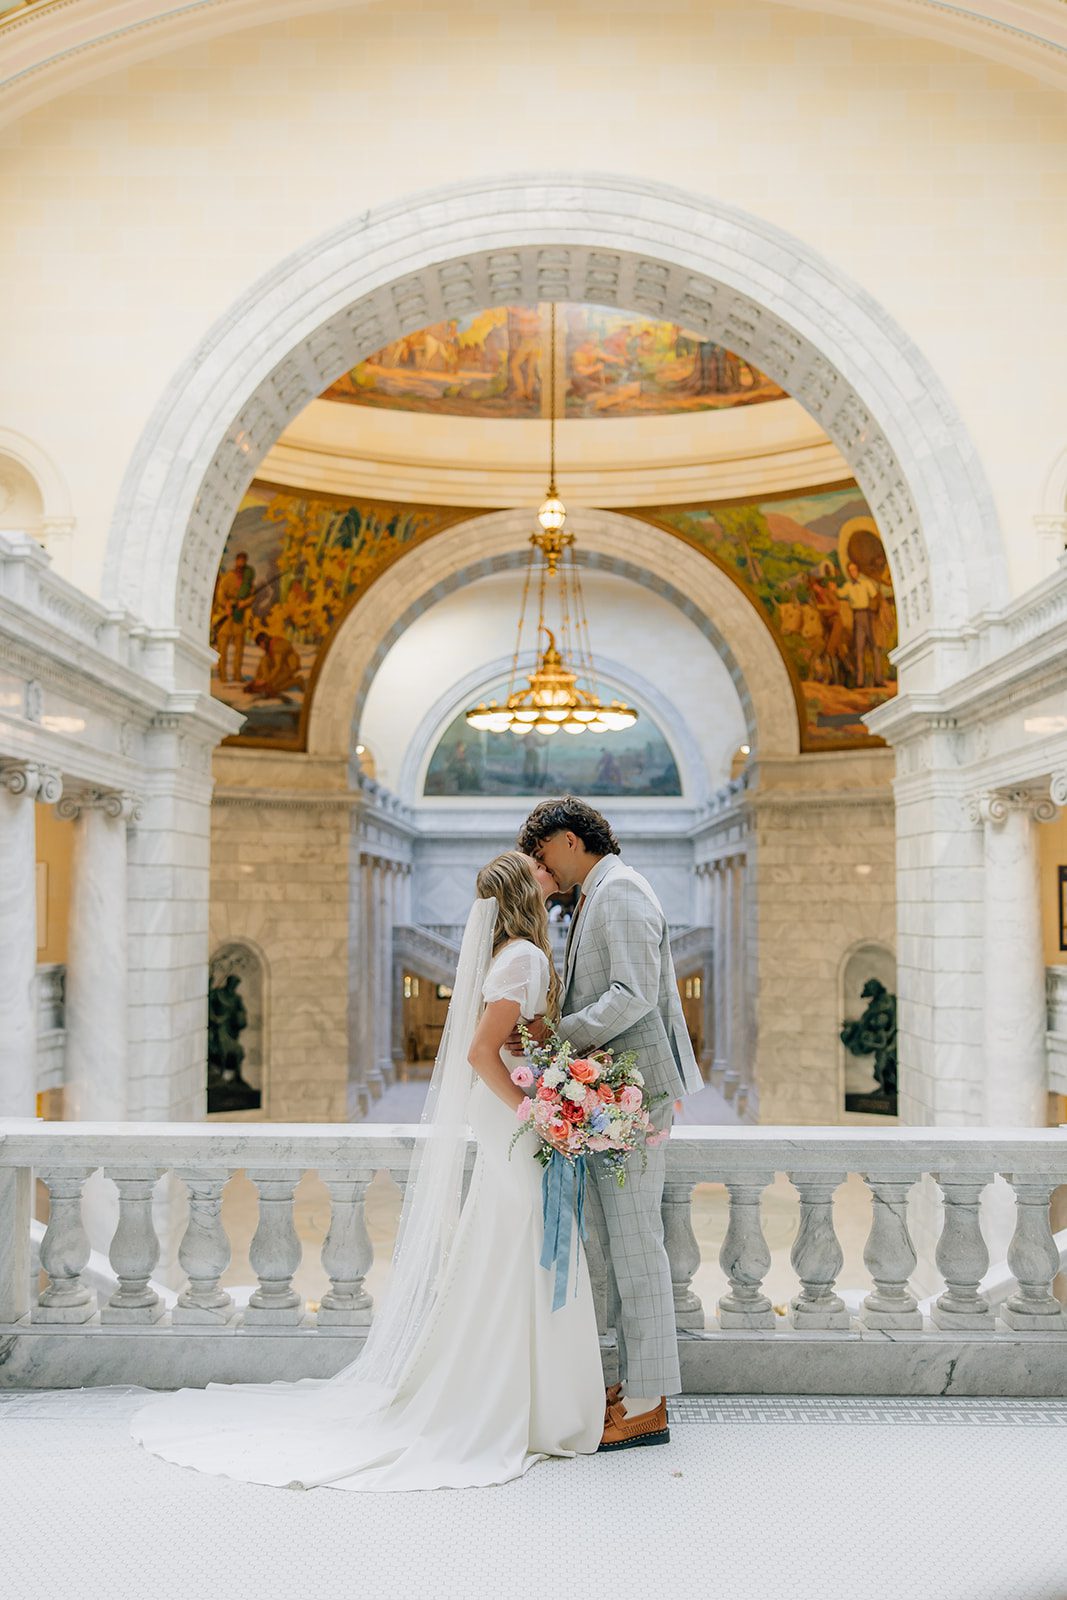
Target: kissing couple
(468,1376)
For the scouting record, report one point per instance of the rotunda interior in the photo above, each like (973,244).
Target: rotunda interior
(310,310)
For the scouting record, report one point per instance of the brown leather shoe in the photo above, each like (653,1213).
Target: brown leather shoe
(625,1433)
(612,1396)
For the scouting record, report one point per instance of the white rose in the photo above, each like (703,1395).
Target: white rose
(575,1092)
(638,1078)
(554,1077)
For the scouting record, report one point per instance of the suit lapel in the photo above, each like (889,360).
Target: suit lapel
(574,938)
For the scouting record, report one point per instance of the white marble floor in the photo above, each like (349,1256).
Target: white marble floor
(816,1499)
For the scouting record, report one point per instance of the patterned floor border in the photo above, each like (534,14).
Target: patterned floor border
(692,1410)
(905,1410)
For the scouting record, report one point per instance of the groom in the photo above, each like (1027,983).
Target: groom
(620,993)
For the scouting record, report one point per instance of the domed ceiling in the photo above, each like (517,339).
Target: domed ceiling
(610,363)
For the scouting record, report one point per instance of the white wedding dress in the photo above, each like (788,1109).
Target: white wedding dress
(496,1380)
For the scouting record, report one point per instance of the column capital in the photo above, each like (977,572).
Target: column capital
(994,806)
(1058,787)
(122,805)
(31,779)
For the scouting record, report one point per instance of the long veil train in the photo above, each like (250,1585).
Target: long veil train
(261,1431)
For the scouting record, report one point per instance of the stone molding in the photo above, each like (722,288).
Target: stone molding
(34,781)
(994,806)
(121,805)
(718,270)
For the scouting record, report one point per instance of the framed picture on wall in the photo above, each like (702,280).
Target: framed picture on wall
(1062,907)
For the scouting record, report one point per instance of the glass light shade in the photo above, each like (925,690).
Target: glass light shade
(526,715)
(555,715)
(553,514)
(500,723)
(481,718)
(521,727)
(573,727)
(546,727)
(596,726)
(583,715)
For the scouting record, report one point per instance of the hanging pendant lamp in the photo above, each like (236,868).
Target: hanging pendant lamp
(554,698)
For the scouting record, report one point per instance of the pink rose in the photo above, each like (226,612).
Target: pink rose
(585,1071)
(597,1141)
(524,1109)
(630,1098)
(522,1077)
(657,1136)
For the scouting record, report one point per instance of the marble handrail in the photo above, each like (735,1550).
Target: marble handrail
(962,1162)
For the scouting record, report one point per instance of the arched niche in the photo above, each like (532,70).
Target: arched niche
(240,969)
(33,497)
(861,1093)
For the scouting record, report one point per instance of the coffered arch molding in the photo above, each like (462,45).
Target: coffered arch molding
(524,239)
(609,541)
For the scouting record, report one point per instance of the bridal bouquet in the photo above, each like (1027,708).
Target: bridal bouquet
(583,1104)
(580,1105)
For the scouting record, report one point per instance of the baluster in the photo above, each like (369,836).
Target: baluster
(134,1248)
(204,1252)
(890,1255)
(1034,1259)
(65,1250)
(961,1255)
(816,1254)
(275,1253)
(745,1258)
(347,1254)
(683,1253)
(16,1190)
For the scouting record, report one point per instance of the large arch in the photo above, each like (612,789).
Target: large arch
(608,540)
(608,240)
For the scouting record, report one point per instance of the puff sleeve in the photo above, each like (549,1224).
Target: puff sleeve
(518,973)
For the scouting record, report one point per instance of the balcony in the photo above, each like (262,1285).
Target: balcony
(962,1341)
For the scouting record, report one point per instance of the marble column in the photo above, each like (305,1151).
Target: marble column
(1014,1008)
(383,1003)
(396,978)
(735,986)
(368,1066)
(722,964)
(97,981)
(21,783)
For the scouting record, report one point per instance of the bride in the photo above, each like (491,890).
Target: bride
(467,1377)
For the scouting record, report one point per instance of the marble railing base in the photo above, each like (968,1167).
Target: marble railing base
(713,1362)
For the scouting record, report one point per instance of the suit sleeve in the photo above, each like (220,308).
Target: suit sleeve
(628,932)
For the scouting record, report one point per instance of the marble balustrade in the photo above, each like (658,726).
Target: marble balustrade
(962,1162)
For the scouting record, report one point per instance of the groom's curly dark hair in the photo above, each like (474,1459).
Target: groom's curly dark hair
(568,814)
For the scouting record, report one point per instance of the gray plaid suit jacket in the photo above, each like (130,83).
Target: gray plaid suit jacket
(620,992)
(619,986)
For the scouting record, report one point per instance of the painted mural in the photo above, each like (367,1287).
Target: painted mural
(293,566)
(495,363)
(816,568)
(634,763)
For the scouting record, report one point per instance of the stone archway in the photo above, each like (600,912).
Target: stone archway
(605,240)
(609,541)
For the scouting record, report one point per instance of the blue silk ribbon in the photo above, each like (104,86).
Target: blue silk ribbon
(562,1199)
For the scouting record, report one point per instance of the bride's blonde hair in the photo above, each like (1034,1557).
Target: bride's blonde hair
(521,913)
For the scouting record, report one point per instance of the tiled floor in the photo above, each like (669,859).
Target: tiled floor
(814,1499)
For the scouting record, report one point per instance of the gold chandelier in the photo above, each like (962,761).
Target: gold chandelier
(554,699)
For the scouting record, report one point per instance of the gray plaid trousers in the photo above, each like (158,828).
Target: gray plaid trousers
(626,1229)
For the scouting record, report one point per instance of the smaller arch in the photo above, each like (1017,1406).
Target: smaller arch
(243,960)
(34,498)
